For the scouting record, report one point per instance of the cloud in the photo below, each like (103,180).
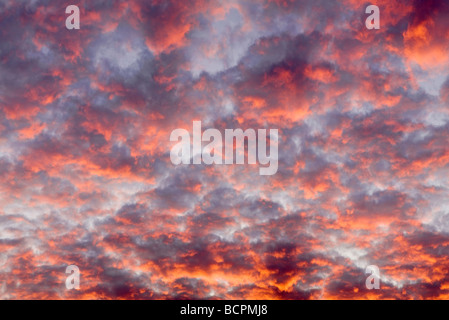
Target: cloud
(85,121)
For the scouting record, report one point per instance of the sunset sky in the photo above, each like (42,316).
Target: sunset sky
(86,176)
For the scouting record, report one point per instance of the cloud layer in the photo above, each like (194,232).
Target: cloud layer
(85,121)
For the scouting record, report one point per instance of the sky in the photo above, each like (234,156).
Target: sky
(86,176)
